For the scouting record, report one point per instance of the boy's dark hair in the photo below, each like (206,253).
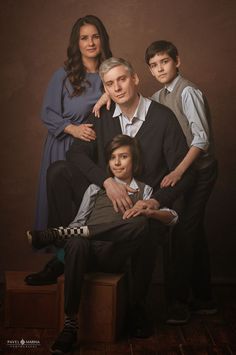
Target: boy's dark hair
(161,47)
(123,140)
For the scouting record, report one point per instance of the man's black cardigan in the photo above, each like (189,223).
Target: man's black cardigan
(163,147)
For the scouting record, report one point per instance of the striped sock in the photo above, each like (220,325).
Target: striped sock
(65,233)
(71,323)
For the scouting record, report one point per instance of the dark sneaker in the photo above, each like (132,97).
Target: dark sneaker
(65,342)
(178,314)
(48,276)
(41,239)
(203,307)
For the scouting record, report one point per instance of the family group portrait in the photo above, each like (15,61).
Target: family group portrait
(118,180)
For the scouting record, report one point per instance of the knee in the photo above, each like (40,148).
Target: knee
(56,171)
(141,223)
(75,245)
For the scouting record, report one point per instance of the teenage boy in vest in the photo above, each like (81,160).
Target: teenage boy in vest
(191,266)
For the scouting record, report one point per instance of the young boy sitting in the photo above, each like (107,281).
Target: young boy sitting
(101,239)
(123,158)
(191,268)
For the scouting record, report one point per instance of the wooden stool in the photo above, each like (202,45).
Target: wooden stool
(30,306)
(102,308)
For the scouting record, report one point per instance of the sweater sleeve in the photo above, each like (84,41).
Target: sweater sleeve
(84,155)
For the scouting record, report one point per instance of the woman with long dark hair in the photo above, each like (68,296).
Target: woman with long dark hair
(72,92)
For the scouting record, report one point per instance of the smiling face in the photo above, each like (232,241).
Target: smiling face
(121,85)
(164,68)
(120,163)
(89,42)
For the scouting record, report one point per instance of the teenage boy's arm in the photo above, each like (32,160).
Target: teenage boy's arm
(172,178)
(175,149)
(195,111)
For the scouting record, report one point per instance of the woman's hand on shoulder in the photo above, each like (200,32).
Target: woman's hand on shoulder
(104,100)
(84,131)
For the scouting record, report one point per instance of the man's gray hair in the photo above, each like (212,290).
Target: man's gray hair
(113,62)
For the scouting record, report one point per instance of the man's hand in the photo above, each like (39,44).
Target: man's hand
(118,194)
(142,207)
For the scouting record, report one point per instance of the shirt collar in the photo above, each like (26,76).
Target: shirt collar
(133,183)
(170,87)
(140,111)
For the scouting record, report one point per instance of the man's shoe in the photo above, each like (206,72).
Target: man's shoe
(41,239)
(48,276)
(138,323)
(65,342)
(203,307)
(178,314)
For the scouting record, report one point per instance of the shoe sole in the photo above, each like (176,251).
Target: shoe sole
(40,283)
(60,352)
(205,312)
(177,322)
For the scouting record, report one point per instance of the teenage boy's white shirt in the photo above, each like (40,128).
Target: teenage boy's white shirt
(131,126)
(194,110)
(89,198)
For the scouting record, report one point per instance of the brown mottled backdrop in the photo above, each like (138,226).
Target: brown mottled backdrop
(34,36)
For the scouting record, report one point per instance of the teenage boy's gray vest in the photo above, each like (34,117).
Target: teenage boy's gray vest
(103,211)
(173,100)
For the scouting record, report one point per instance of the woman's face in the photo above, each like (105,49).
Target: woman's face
(89,42)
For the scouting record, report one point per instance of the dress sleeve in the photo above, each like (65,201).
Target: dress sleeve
(52,110)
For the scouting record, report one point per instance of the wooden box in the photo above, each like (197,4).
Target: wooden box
(29,306)
(102,309)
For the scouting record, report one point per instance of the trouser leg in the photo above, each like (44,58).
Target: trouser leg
(65,188)
(77,260)
(131,238)
(144,261)
(125,237)
(109,253)
(191,266)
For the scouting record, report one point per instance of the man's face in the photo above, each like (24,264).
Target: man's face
(120,85)
(164,68)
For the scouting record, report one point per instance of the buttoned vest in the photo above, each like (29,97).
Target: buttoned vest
(103,211)
(173,100)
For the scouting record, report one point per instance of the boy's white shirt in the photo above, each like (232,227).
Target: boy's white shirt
(89,197)
(194,110)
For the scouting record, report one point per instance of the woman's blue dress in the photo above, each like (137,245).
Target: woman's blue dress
(58,111)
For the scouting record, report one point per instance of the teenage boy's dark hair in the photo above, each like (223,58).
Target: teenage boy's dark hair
(161,47)
(123,140)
